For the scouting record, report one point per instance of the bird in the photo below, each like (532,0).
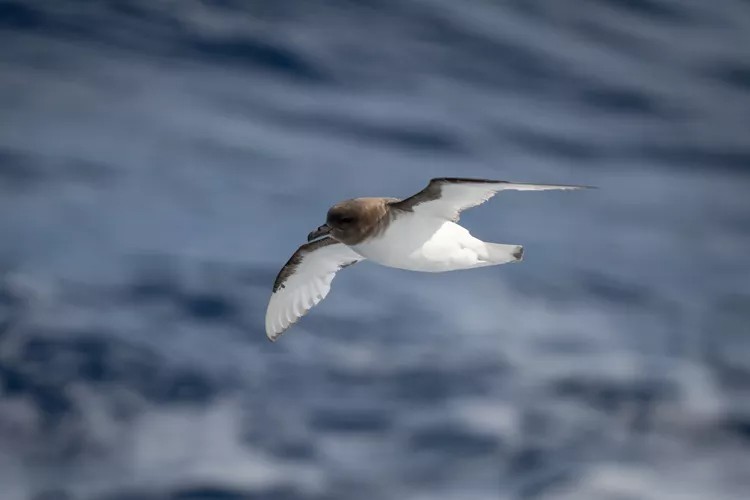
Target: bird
(418,233)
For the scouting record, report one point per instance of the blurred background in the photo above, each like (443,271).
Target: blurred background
(160,160)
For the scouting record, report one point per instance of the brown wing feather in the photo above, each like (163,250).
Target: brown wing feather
(459,201)
(433,192)
(434,188)
(291,265)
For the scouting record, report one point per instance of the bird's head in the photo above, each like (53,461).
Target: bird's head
(350,221)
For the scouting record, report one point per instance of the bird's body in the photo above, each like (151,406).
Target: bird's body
(423,243)
(418,233)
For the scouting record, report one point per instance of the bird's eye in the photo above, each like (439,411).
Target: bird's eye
(347,220)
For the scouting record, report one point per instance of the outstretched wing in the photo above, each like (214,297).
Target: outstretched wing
(447,197)
(304,281)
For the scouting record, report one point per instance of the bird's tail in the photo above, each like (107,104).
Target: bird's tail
(499,253)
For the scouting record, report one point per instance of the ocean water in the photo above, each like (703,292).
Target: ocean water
(160,160)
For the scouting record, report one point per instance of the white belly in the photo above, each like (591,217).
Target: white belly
(420,243)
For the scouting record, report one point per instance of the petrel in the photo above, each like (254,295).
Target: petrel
(418,233)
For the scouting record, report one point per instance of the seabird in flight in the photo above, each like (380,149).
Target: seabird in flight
(418,233)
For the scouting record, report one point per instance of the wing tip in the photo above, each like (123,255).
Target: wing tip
(274,328)
(273,333)
(460,180)
(530,186)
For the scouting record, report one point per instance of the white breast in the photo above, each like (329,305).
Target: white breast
(422,243)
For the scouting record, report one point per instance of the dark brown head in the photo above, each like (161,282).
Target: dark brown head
(352,221)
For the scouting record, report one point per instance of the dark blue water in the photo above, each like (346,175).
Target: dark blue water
(159,161)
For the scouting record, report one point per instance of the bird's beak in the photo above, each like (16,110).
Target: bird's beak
(320,231)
